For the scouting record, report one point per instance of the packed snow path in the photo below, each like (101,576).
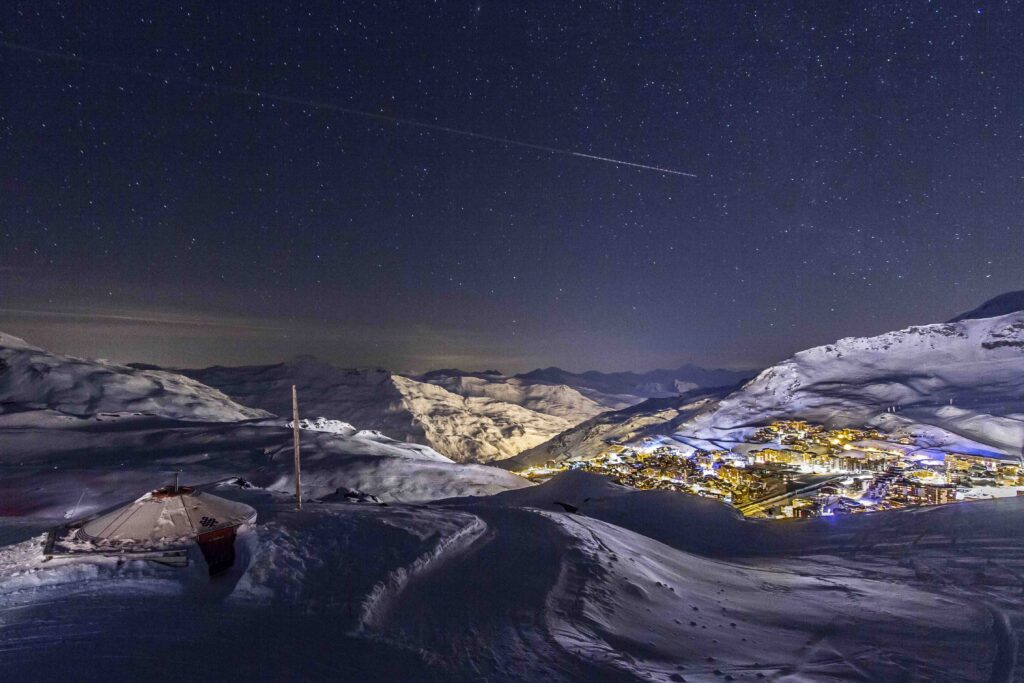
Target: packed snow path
(485,610)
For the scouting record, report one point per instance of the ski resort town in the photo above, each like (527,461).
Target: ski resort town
(793,469)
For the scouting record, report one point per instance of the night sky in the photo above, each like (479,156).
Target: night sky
(860,168)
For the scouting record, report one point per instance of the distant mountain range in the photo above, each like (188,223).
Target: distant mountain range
(964,380)
(639,385)
(467,416)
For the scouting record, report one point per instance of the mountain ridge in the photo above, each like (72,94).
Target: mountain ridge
(468,416)
(33,379)
(963,380)
(1003,304)
(649,384)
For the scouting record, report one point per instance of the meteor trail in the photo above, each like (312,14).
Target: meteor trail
(312,104)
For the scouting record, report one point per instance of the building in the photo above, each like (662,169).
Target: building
(160,526)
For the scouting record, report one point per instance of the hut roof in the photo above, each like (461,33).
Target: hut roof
(170,514)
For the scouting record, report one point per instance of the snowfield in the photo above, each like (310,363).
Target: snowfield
(94,464)
(513,588)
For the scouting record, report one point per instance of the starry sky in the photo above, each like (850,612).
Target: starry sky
(859,167)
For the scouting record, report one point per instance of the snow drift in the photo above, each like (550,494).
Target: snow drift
(505,589)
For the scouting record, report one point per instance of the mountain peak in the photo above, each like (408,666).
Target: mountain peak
(1004,304)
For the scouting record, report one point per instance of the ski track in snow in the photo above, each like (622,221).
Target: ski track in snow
(385,593)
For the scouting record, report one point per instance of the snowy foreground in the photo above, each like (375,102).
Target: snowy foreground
(636,586)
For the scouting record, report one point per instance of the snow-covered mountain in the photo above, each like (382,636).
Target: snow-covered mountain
(589,438)
(32,379)
(632,387)
(952,382)
(956,385)
(549,398)
(465,418)
(91,429)
(468,416)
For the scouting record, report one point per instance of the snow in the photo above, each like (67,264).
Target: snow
(322,424)
(34,379)
(957,386)
(702,618)
(465,418)
(655,419)
(505,588)
(404,565)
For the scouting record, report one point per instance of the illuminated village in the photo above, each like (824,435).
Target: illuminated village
(793,469)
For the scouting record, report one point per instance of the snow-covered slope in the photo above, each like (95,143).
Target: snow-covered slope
(951,381)
(465,418)
(360,396)
(558,400)
(92,430)
(48,459)
(505,588)
(475,428)
(34,379)
(652,417)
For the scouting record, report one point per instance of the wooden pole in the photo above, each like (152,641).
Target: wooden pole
(295,434)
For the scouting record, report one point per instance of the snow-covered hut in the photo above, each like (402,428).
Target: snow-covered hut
(169,519)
